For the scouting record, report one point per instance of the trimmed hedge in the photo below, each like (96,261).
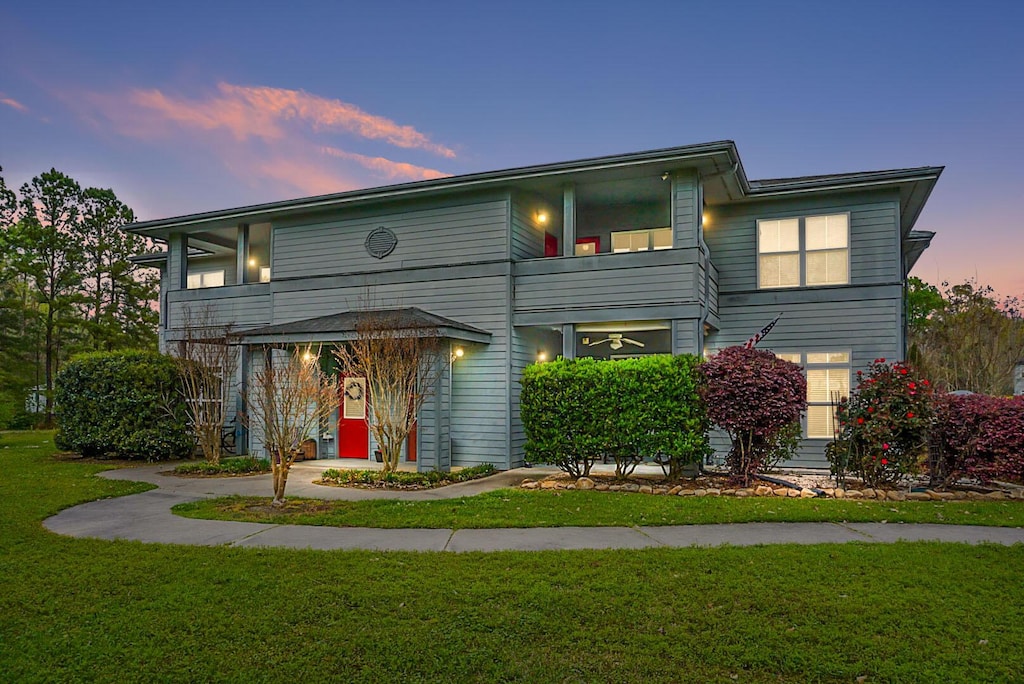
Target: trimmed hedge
(978,436)
(577,411)
(123,404)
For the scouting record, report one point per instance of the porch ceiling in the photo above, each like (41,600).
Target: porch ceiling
(343,326)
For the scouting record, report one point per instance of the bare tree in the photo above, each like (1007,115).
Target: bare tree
(398,353)
(287,400)
(207,360)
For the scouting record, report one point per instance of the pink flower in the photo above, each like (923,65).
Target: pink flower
(885,461)
(885,446)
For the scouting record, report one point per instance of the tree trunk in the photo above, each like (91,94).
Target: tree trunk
(281,463)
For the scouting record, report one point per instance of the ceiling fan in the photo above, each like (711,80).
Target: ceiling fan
(616,340)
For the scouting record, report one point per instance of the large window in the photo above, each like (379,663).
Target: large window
(828,379)
(808,251)
(641,240)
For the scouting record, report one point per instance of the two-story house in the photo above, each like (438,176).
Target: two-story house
(667,251)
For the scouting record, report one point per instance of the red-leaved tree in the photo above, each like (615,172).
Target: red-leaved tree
(978,436)
(755,397)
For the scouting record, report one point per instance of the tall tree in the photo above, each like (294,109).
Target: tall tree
(118,294)
(47,248)
(971,342)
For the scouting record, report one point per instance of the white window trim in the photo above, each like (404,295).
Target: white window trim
(802,238)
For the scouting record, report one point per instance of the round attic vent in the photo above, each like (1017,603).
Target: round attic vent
(380,242)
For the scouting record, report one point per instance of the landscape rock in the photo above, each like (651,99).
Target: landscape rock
(585,483)
(781,491)
(529,484)
(808,493)
(839,493)
(854,494)
(996,495)
(895,495)
(549,484)
(601,487)
(744,492)
(793,493)
(714,492)
(763,490)
(700,492)
(868,493)
(687,492)
(661,490)
(630,487)
(646,489)
(675,490)
(918,496)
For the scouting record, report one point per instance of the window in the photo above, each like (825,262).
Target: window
(641,240)
(588,246)
(205,279)
(828,377)
(809,251)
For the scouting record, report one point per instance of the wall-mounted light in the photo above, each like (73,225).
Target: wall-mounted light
(542,356)
(705,218)
(252,262)
(665,176)
(542,217)
(458,353)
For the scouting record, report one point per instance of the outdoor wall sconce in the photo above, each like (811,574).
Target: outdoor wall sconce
(458,353)
(542,356)
(542,217)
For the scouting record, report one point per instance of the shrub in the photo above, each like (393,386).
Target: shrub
(239,465)
(577,411)
(757,398)
(977,436)
(883,425)
(430,478)
(121,404)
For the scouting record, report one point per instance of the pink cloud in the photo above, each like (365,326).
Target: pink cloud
(305,177)
(13,104)
(326,113)
(387,168)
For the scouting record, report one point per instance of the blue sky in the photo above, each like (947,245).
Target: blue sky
(195,106)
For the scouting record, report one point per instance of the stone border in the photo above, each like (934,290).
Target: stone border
(557,482)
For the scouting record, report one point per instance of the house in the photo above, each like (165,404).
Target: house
(671,250)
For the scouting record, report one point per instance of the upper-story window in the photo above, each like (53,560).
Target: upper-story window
(805,251)
(641,240)
(205,279)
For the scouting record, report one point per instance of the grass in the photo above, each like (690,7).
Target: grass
(90,610)
(540,508)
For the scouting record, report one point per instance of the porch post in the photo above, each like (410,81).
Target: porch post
(569,220)
(569,341)
(242,254)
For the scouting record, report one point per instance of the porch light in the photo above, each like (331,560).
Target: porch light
(252,262)
(705,218)
(542,217)
(542,356)
(457,354)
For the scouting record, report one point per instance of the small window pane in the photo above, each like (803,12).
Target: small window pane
(620,242)
(780,270)
(820,424)
(778,236)
(823,382)
(264,274)
(827,268)
(826,232)
(662,238)
(639,241)
(792,358)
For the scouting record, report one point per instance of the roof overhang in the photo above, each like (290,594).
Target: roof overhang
(913,247)
(345,326)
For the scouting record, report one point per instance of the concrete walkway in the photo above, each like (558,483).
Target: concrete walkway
(147,517)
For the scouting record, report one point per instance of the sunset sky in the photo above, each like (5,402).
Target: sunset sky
(199,106)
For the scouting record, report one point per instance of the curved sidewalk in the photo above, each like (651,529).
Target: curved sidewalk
(147,517)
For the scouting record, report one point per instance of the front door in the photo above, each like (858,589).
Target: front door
(353,430)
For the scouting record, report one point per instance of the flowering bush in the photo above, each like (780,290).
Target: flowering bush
(754,396)
(883,425)
(978,436)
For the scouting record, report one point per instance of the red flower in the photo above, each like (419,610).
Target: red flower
(885,461)
(925,383)
(871,409)
(903,371)
(910,414)
(912,385)
(885,446)
(860,421)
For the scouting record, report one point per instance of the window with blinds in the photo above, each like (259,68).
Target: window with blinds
(641,240)
(828,378)
(809,251)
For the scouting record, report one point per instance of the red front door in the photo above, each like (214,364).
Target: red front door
(353,430)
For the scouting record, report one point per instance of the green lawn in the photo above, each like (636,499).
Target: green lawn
(85,610)
(542,508)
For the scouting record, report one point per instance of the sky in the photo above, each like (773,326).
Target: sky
(191,106)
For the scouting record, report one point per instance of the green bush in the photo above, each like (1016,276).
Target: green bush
(239,465)
(577,411)
(123,404)
(883,425)
(430,478)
